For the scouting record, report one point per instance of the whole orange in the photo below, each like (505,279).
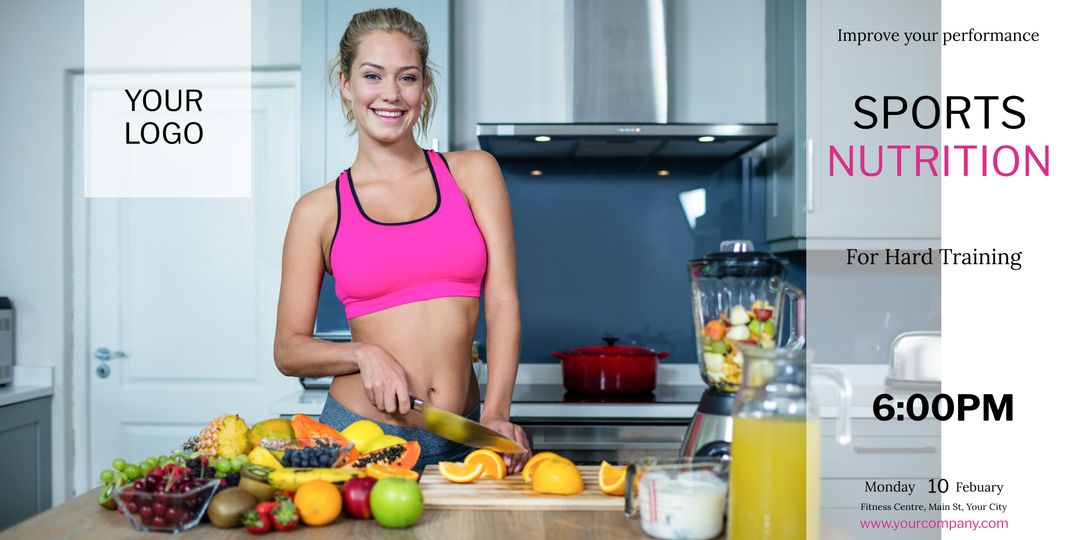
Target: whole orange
(318,502)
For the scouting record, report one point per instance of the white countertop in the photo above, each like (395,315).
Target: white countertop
(31,382)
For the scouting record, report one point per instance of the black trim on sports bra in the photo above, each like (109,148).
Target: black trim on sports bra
(434,179)
(330,255)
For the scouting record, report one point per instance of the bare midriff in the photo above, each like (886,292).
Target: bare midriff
(432,341)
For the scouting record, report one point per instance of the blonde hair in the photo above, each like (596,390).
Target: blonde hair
(384,20)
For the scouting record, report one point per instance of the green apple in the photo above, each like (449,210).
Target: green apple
(755,326)
(396,502)
(768,328)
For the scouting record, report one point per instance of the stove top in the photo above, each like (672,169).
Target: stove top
(556,393)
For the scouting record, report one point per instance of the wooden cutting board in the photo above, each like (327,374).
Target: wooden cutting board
(512,493)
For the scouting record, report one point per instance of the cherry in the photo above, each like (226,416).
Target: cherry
(158,521)
(145,513)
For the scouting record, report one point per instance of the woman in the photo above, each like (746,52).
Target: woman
(410,244)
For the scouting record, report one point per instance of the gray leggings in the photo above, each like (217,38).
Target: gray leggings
(433,448)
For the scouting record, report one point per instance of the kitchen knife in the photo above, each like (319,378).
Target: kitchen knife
(462,430)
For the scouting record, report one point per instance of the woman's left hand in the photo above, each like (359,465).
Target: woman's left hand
(514,462)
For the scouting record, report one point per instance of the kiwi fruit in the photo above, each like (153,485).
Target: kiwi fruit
(105,497)
(227,508)
(262,491)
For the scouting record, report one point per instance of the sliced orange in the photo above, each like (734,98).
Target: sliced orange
(460,473)
(558,476)
(494,464)
(537,459)
(379,471)
(612,479)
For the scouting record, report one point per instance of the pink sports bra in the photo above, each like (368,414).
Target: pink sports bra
(381,265)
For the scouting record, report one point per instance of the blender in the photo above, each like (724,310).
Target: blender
(739,298)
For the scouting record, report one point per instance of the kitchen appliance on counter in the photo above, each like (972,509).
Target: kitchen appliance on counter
(915,362)
(739,297)
(609,369)
(7,341)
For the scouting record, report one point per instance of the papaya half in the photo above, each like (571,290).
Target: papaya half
(399,455)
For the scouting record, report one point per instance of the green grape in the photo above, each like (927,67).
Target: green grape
(162,460)
(237,464)
(132,471)
(223,465)
(107,476)
(144,468)
(121,478)
(153,461)
(119,464)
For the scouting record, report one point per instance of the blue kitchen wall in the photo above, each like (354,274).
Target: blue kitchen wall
(605,254)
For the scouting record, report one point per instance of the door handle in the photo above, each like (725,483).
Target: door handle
(104,354)
(809,176)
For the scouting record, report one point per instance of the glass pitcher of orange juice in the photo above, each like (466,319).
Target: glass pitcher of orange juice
(775,447)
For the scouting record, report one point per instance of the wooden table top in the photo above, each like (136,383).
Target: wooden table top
(81,517)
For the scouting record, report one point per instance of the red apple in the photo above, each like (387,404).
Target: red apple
(357,495)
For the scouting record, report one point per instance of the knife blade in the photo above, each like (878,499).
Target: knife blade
(459,429)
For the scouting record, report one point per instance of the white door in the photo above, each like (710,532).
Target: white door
(183,294)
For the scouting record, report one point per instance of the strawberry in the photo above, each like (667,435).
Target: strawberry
(284,517)
(256,523)
(265,508)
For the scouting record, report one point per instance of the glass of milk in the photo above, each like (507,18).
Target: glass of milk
(678,498)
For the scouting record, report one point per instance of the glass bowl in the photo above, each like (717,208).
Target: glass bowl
(172,512)
(309,453)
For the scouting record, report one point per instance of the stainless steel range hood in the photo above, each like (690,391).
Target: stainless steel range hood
(618,72)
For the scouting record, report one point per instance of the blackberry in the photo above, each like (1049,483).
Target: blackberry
(195,467)
(232,479)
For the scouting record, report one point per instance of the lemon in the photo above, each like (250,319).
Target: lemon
(382,441)
(262,456)
(361,433)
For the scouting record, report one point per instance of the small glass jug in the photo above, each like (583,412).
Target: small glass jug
(775,448)
(682,498)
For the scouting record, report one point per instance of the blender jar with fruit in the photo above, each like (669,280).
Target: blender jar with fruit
(739,298)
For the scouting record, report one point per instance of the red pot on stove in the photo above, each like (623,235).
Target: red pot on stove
(609,369)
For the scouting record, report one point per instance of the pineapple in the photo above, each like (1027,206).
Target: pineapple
(225,436)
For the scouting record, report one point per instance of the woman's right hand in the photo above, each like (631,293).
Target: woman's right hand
(384,380)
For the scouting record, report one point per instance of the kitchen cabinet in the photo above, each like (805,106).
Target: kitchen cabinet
(813,82)
(326,148)
(883,452)
(25,443)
